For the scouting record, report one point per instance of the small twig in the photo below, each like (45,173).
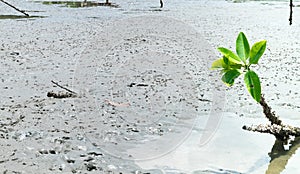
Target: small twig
(291,12)
(22,11)
(63,87)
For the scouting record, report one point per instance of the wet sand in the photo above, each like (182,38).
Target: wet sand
(113,61)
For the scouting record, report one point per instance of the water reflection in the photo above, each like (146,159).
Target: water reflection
(78,4)
(280,157)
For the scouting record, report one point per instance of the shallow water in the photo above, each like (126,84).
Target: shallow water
(231,150)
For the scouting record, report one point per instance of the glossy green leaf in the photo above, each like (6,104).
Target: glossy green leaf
(219,63)
(225,59)
(230,55)
(242,47)
(253,85)
(230,65)
(229,76)
(257,51)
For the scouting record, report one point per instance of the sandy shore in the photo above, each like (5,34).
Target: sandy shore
(144,92)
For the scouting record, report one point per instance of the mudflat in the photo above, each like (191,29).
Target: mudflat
(144,92)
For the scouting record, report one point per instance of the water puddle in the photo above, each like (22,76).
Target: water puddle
(248,152)
(19,17)
(77,4)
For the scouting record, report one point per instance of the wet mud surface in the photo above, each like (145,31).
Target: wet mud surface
(136,111)
(77,4)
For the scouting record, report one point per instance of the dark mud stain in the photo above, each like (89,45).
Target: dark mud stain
(78,4)
(19,17)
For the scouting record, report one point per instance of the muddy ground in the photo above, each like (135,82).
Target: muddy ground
(143,87)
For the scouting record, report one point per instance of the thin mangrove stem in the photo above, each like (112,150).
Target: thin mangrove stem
(268,112)
(276,128)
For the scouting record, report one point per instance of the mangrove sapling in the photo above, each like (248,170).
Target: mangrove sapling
(232,65)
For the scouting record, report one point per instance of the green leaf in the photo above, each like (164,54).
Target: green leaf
(242,47)
(219,63)
(257,51)
(230,55)
(229,76)
(253,85)
(230,65)
(225,59)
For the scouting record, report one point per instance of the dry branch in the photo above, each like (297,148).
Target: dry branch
(63,87)
(22,11)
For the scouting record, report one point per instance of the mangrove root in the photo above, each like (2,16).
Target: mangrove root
(282,132)
(276,128)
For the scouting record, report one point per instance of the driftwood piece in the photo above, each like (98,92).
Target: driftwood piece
(22,11)
(61,95)
(68,94)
